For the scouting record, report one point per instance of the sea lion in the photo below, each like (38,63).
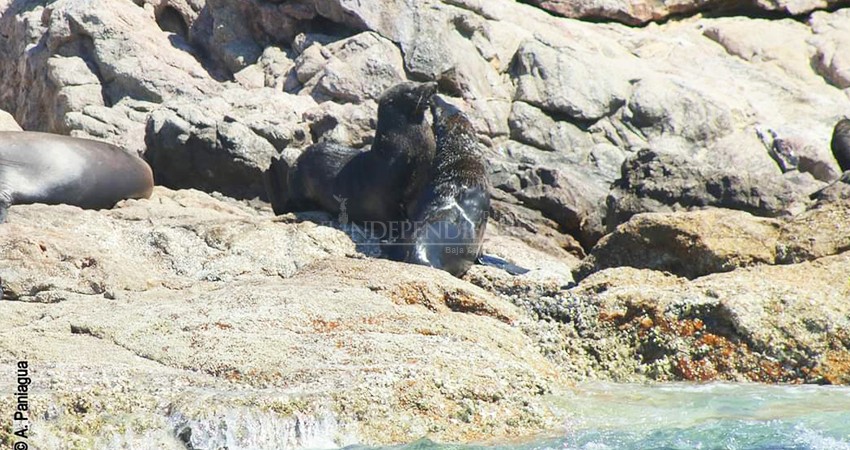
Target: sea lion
(451,211)
(55,169)
(841,144)
(378,185)
(308,183)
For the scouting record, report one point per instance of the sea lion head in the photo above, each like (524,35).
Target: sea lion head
(444,112)
(452,127)
(409,100)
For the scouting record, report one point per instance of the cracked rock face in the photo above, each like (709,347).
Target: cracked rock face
(694,146)
(637,12)
(183,297)
(211,91)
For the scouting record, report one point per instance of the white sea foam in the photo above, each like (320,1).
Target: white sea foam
(249,428)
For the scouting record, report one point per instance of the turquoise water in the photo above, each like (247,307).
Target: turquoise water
(688,416)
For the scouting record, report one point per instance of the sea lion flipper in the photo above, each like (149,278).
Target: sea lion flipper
(495,261)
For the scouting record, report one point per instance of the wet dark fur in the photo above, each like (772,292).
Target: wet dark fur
(450,214)
(378,185)
(841,144)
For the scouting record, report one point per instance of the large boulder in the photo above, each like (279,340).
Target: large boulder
(638,12)
(179,301)
(831,40)
(351,70)
(669,181)
(823,230)
(662,106)
(530,125)
(567,196)
(563,80)
(777,46)
(764,323)
(75,58)
(687,244)
(224,143)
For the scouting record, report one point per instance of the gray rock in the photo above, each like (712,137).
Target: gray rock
(563,81)
(121,124)
(122,64)
(822,230)
(89,57)
(638,12)
(567,196)
(198,318)
(306,66)
(532,228)
(233,46)
(177,16)
(775,46)
(7,122)
(664,106)
(224,143)
(352,70)
(831,39)
(654,181)
(626,11)
(568,186)
(305,40)
(347,124)
(532,126)
(276,63)
(462,51)
(233,34)
(451,44)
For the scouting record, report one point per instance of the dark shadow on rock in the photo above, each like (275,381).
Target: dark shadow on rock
(170,21)
(209,159)
(215,72)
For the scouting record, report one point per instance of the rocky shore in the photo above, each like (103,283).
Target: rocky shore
(644,163)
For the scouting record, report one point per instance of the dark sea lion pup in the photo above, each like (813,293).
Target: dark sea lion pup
(383,183)
(451,212)
(378,185)
(308,184)
(56,169)
(841,144)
